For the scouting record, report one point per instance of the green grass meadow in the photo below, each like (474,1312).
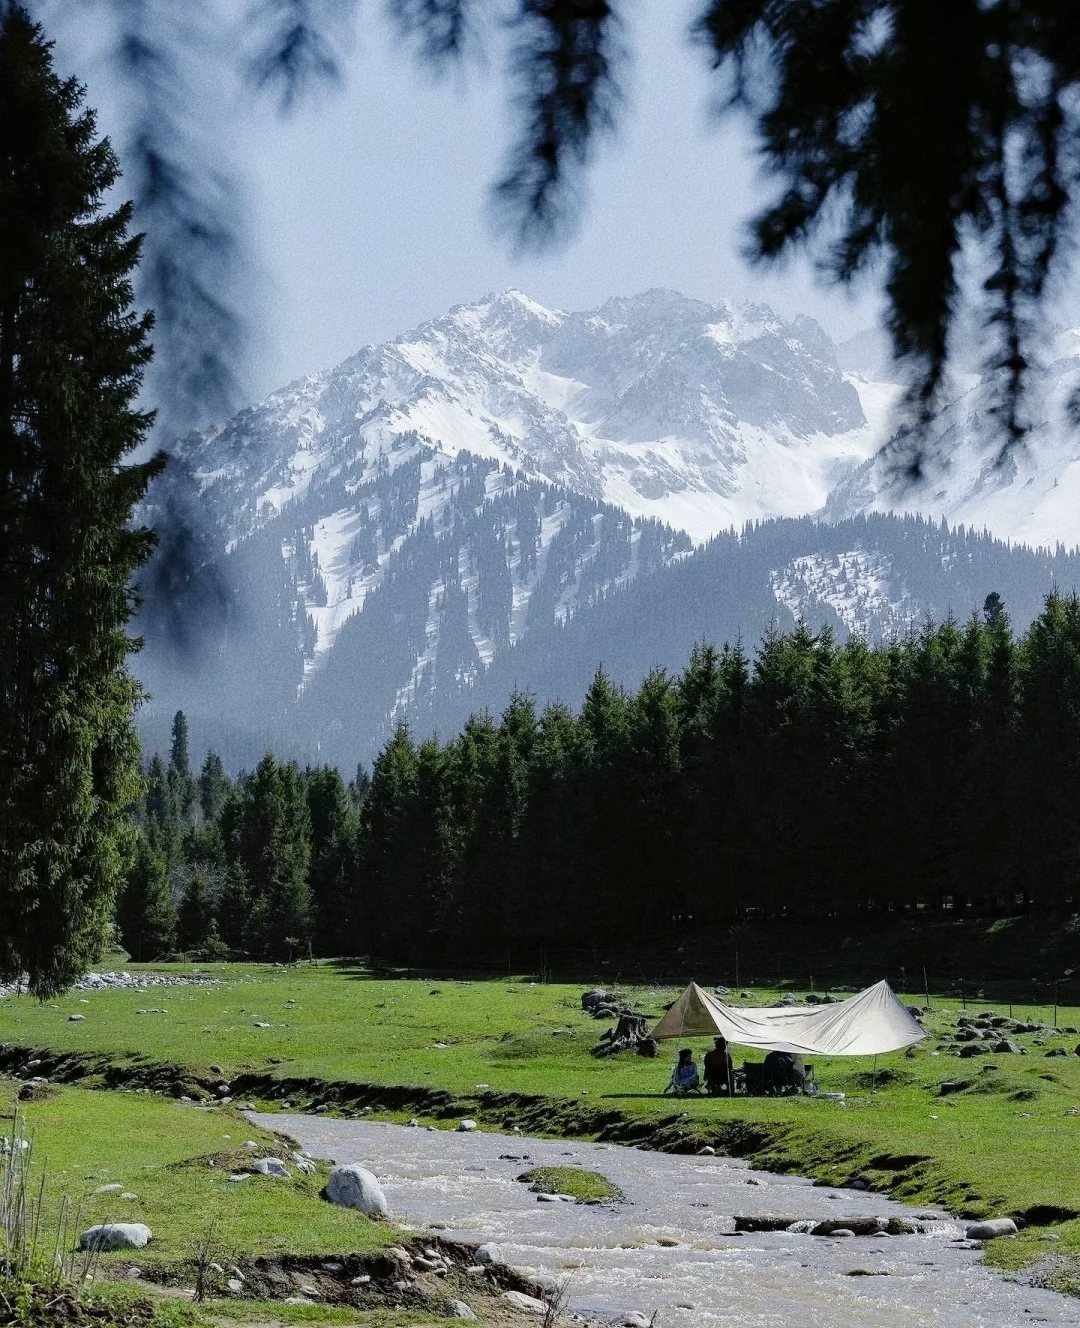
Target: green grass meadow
(161,1151)
(1002,1135)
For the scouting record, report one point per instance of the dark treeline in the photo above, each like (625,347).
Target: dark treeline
(936,772)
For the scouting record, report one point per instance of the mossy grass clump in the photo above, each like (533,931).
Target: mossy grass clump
(587,1186)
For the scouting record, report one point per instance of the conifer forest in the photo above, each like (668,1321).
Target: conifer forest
(935,772)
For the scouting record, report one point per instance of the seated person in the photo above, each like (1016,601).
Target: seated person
(784,1072)
(719,1068)
(684,1077)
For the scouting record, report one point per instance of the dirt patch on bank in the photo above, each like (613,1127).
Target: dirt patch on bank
(419,1274)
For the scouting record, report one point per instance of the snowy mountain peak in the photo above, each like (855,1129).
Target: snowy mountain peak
(701,415)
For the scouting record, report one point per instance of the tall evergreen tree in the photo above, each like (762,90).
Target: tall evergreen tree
(213,786)
(195,917)
(274,851)
(146,913)
(333,843)
(179,759)
(71,357)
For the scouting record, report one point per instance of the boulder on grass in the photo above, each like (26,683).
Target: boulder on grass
(457,1309)
(354,1186)
(521,1301)
(115,1236)
(271,1166)
(991,1229)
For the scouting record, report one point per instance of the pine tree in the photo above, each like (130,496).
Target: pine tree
(179,759)
(213,786)
(145,913)
(195,919)
(333,836)
(71,358)
(275,848)
(234,909)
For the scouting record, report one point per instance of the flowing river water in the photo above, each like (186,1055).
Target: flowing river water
(464,1184)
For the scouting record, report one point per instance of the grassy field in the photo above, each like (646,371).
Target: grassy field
(988,1135)
(161,1152)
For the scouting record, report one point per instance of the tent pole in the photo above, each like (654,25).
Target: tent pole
(873,1084)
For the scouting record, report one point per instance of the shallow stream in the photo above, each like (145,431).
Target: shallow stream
(465,1182)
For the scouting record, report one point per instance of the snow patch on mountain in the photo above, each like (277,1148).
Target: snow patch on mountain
(859,585)
(1027,494)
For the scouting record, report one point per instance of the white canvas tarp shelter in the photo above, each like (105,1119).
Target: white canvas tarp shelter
(868,1024)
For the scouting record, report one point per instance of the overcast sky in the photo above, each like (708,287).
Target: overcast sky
(370,208)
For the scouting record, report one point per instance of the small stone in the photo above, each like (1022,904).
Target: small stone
(457,1309)
(523,1302)
(991,1229)
(669,1242)
(271,1166)
(857,1184)
(235,1285)
(707,1151)
(250,1143)
(842,1231)
(76,1018)
(239,1175)
(362,1280)
(489,1254)
(1050,1235)
(466,1125)
(222,1090)
(425,1265)
(109,1189)
(635,1319)
(414,1124)
(261,1023)
(129,1194)
(299,1300)
(802,1227)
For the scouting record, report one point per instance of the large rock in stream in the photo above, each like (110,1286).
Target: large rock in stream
(353,1186)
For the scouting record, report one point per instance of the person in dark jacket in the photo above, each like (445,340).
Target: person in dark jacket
(719,1068)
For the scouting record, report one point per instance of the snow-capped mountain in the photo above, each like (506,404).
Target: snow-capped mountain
(1029,494)
(509,496)
(701,415)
